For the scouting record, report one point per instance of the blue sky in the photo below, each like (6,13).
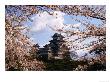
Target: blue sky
(42,35)
(40,31)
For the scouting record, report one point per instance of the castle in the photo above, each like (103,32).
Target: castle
(55,50)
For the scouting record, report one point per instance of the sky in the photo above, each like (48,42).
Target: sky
(43,33)
(44,25)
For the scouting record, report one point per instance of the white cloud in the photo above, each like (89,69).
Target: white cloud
(42,20)
(73,25)
(55,21)
(76,25)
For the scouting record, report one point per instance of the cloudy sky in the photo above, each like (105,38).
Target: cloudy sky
(44,26)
